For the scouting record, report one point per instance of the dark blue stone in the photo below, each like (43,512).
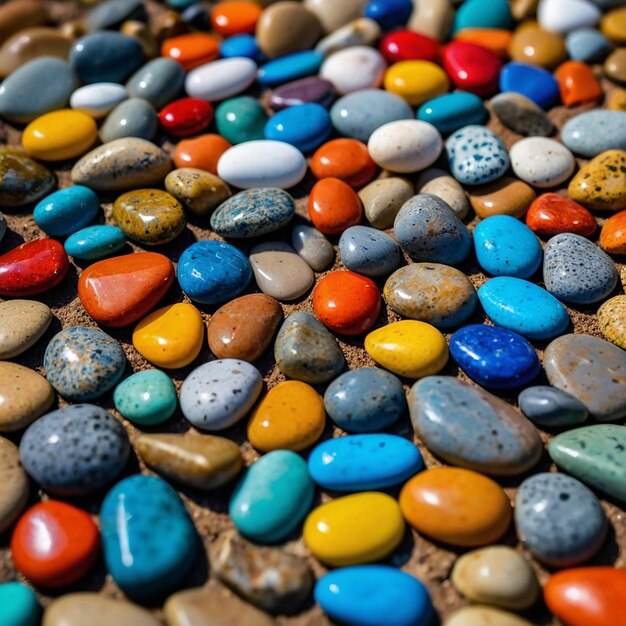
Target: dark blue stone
(534,82)
(389,13)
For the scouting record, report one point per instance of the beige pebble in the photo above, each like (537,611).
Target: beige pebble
(439,183)
(612,319)
(382,199)
(199,191)
(22,324)
(14,485)
(20,14)
(361,32)
(334,14)
(615,65)
(506,196)
(482,616)
(432,18)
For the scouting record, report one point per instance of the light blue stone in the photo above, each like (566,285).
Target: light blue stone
(148,539)
(273,497)
(241,46)
(452,111)
(523,307)
(531,81)
(95,242)
(588,45)
(364,462)
(483,14)
(159,82)
(134,117)
(64,212)
(370,595)
(593,132)
(507,247)
(389,13)
(146,398)
(369,251)
(305,126)
(18,605)
(290,67)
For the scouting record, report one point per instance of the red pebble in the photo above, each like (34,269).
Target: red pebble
(472,68)
(334,206)
(551,214)
(405,45)
(186,117)
(54,544)
(346,159)
(346,302)
(577,84)
(32,268)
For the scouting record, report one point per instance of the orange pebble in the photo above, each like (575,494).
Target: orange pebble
(235,18)
(577,83)
(334,206)
(346,159)
(456,506)
(191,50)
(613,234)
(588,596)
(346,302)
(495,39)
(202,152)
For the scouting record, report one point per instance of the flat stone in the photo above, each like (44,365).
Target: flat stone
(368,251)
(22,180)
(312,246)
(15,485)
(439,183)
(521,114)
(593,132)
(551,407)
(134,117)
(22,324)
(199,191)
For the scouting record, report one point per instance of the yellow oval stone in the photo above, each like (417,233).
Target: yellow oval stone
(416,81)
(290,417)
(170,337)
(613,25)
(355,529)
(408,348)
(612,320)
(616,100)
(59,135)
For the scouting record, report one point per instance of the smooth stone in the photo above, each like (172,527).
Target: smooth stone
(551,407)
(405,45)
(289,68)
(218,80)
(146,552)
(332,15)
(439,183)
(471,428)
(416,81)
(19,14)
(303,91)
(52,79)
(19,605)
(588,45)
(430,292)
(552,214)
(452,111)
(520,114)
(22,180)
(484,616)
(389,14)
(383,198)
(472,67)
(477,13)
(365,400)
(199,191)
(497,576)
(613,235)
(13,492)
(593,132)
(354,69)
(360,32)
(111,14)
(433,18)
(531,81)
(590,369)
(612,25)
(306,126)
(75,450)
(369,251)
(98,99)
(542,162)
(241,119)
(22,324)
(159,82)
(534,45)
(25,395)
(146,38)
(312,246)
(306,351)
(83,363)
(240,45)
(615,66)
(523,307)
(427,229)
(334,206)
(506,196)
(146,398)
(122,164)
(611,316)
(134,117)
(564,16)
(64,212)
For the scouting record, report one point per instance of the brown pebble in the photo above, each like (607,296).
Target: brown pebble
(201,192)
(169,24)
(22,323)
(432,18)
(615,65)
(534,45)
(333,14)
(20,14)
(14,486)
(507,196)
(523,9)
(22,180)
(142,33)
(382,199)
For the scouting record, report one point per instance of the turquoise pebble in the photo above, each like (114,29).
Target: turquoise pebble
(531,81)
(290,67)
(593,132)
(18,605)
(159,81)
(241,46)
(273,497)
(148,539)
(146,398)
(588,45)
(95,242)
(180,4)
(305,126)
(240,119)
(65,211)
(483,14)
(452,111)
(523,307)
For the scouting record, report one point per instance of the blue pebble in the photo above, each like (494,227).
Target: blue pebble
(588,45)
(365,400)
(389,13)
(290,67)
(211,272)
(95,242)
(507,247)
(494,357)
(148,539)
(523,307)
(594,132)
(18,605)
(306,126)
(241,46)
(483,14)
(364,462)
(531,81)
(64,212)
(369,251)
(371,595)
(550,407)
(452,111)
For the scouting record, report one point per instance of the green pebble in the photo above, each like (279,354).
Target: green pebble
(146,398)
(18,605)
(241,119)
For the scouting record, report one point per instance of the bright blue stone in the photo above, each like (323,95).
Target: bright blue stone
(95,242)
(18,605)
(494,357)
(483,14)
(389,13)
(593,132)
(588,45)
(364,462)
(306,126)
(371,595)
(211,272)
(290,67)
(273,497)
(531,81)
(369,251)
(65,211)
(148,539)
(452,111)
(241,46)
(507,247)
(523,307)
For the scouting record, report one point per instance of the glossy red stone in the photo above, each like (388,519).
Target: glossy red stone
(551,214)
(186,117)
(32,268)
(405,45)
(472,68)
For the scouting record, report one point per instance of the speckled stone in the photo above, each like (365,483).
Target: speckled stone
(542,162)
(506,196)
(521,114)
(368,251)
(576,270)
(14,487)
(612,320)
(83,363)
(382,199)
(559,519)
(146,398)
(75,450)
(22,180)
(468,427)
(593,132)
(134,117)
(439,183)
(438,294)
(312,246)
(199,191)
(218,394)
(159,82)
(306,351)
(590,369)
(551,407)
(22,324)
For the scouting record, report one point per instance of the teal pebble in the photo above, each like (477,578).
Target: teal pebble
(134,117)
(240,119)
(95,242)
(483,14)
(146,398)
(180,4)
(18,605)
(452,111)
(159,81)
(66,211)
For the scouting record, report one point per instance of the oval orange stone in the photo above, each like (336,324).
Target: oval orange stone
(192,49)
(588,596)
(201,152)
(495,39)
(456,506)
(551,214)
(613,234)
(334,206)
(346,302)
(577,84)
(119,291)
(234,18)
(346,159)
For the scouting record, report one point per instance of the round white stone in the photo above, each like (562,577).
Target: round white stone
(564,16)
(98,99)
(542,162)
(220,79)
(353,69)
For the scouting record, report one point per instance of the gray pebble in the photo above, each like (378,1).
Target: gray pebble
(588,45)
(521,114)
(549,406)
(112,13)
(313,247)
(134,117)
(594,132)
(369,251)
(159,81)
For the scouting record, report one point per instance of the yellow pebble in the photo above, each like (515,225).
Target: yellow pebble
(416,81)
(59,135)
(408,348)
(290,417)
(355,529)
(170,337)
(616,100)
(612,320)
(613,25)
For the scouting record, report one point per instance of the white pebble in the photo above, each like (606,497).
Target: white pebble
(353,69)
(564,16)
(220,79)
(542,162)
(98,99)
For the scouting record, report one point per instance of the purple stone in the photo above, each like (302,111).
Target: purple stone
(312,89)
